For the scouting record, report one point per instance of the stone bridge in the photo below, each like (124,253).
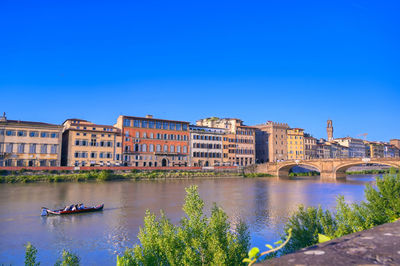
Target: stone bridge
(329,168)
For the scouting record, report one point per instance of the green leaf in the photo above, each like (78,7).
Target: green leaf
(247,260)
(253,252)
(278,242)
(269,246)
(323,238)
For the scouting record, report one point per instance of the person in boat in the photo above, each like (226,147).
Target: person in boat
(68,207)
(81,207)
(75,207)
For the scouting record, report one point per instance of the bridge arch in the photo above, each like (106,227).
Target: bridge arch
(283,170)
(340,170)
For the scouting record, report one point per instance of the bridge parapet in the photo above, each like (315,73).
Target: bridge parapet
(329,168)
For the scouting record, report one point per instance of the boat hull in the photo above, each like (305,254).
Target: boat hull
(62,212)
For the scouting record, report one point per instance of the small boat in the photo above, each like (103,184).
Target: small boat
(47,211)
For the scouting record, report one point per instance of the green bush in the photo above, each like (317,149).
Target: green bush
(68,259)
(103,176)
(197,240)
(30,255)
(382,205)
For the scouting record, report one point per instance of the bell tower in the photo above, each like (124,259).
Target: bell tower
(329,130)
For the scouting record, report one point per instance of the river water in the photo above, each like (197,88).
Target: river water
(264,203)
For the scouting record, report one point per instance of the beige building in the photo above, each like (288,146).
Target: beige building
(88,144)
(276,140)
(206,146)
(295,142)
(395,142)
(238,143)
(25,143)
(310,147)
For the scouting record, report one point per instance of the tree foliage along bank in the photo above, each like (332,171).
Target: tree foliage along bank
(381,205)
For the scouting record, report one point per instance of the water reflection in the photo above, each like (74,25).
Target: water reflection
(263,203)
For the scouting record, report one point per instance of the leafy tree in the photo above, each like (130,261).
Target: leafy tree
(68,259)
(30,255)
(197,240)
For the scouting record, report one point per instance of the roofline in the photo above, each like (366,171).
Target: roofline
(147,118)
(28,123)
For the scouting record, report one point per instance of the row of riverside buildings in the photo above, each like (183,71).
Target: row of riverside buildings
(151,142)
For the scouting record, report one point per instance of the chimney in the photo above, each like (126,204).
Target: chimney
(149,116)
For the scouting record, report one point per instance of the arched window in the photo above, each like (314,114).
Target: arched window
(144,135)
(151,135)
(165,136)
(165,148)
(172,148)
(158,147)
(178,148)
(184,149)
(151,148)
(137,135)
(144,148)
(136,147)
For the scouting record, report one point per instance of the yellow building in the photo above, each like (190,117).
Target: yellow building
(295,142)
(87,144)
(26,143)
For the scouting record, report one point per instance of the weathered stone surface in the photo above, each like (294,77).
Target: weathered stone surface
(377,246)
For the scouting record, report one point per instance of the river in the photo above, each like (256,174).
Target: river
(264,203)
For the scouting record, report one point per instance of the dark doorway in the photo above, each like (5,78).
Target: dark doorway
(164,162)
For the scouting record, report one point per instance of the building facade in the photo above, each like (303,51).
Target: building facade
(238,145)
(277,141)
(295,142)
(87,144)
(206,146)
(356,146)
(150,142)
(374,149)
(395,142)
(25,143)
(310,147)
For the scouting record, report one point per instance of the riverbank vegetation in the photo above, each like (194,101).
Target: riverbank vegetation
(310,173)
(381,205)
(106,175)
(374,171)
(253,175)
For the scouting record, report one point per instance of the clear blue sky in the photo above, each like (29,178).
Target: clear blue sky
(300,62)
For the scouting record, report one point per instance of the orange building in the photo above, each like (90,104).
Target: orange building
(150,142)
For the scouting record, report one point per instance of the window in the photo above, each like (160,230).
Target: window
(21,148)
(101,155)
(93,142)
(84,143)
(93,155)
(21,133)
(9,147)
(54,149)
(76,142)
(144,124)
(165,148)
(178,148)
(101,144)
(54,135)
(151,124)
(165,136)
(43,149)
(127,122)
(144,148)
(44,134)
(109,143)
(172,126)
(34,134)
(151,148)
(136,123)
(158,148)
(151,135)
(184,149)
(144,135)
(158,136)
(165,125)
(178,126)
(172,148)
(10,133)
(137,135)
(158,124)
(184,127)
(32,148)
